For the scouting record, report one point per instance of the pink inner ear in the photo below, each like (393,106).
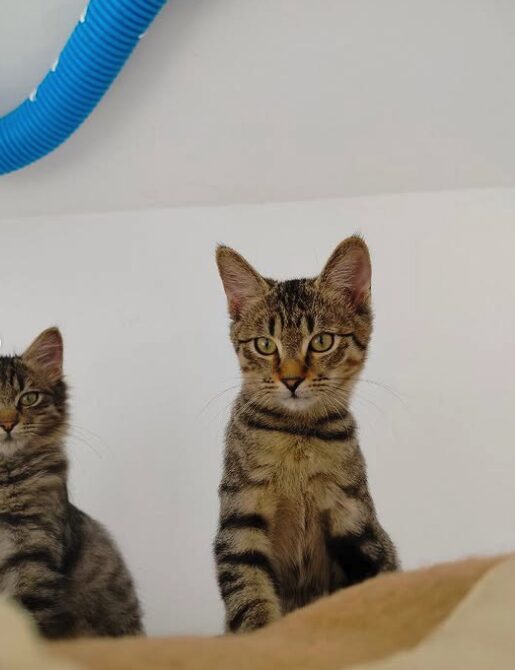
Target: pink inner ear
(238,293)
(348,270)
(241,282)
(50,355)
(236,289)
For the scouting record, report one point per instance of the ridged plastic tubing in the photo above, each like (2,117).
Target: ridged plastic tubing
(96,51)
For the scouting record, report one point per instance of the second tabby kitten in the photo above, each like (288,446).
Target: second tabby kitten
(58,562)
(296,517)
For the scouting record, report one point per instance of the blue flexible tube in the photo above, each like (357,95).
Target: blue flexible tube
(95,53)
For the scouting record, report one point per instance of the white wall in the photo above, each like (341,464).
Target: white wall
(143,315)
(253,100)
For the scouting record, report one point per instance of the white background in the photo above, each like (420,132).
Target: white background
(148,358)
(254,100)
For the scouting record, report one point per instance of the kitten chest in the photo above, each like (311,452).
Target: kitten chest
(297,531)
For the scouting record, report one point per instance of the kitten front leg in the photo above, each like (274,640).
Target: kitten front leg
(51,615)
(39,588)
(362,549)
(246,575)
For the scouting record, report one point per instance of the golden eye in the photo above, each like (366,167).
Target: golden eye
(29,398)
(265,346)
(322,342)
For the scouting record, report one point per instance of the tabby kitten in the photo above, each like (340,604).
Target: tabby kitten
(60,564)
(296,517)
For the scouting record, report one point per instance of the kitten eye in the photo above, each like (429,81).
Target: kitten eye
(322,342)
(265,346)
(30,398)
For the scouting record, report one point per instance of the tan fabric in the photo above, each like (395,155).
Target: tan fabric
(364,623)
(478,635)
(20,648)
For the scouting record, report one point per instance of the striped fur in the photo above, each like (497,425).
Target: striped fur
(296,517)
(60,564)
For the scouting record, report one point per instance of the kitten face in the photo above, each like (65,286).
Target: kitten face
(32,395)
(301,343)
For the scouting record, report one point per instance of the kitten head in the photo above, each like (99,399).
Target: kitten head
(33,394)
(300,343)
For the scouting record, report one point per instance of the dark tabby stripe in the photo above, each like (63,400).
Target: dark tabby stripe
(16,519)
(226,577)
(360,555)
(221,546)
(41,556)
(229,583)
(226,487)
(358,343)
(252,559)
(58,469)
(352,490)
(34,603)
(270,413)
(31,521)
(242,612)
(228,591)
(266,412)
(329,436)
(330,418)
(255,521)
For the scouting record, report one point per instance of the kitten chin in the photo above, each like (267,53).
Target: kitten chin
(298,404)
(11,445)
(18,444)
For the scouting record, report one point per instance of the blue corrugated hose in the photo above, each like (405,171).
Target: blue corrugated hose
(96,51)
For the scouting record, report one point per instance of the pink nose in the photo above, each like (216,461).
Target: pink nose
(292,383)
(8,425)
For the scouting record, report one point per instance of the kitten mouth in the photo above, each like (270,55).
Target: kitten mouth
(296,401)
(299,397)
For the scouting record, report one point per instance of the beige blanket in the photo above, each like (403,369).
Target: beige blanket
(430,611)
(478,635)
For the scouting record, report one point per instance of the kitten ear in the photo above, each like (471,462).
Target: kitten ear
(348,270)
(242,284)
(45,355)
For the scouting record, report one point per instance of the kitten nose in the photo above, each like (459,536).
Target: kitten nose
(292,383)
(8,425)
